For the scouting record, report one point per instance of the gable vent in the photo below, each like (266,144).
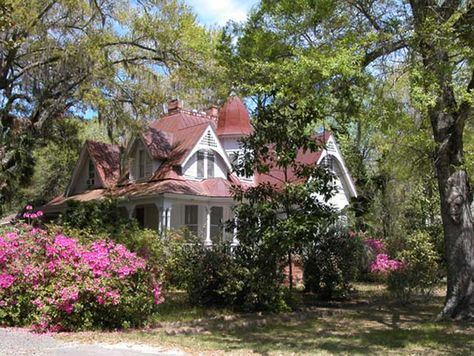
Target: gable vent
(208,140)
(331,147)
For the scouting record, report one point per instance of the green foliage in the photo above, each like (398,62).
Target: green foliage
(213,276)
(332,261)
(97,217)
(119,59)
(420,272)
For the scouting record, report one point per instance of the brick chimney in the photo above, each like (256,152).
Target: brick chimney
(213,111)
(174,105)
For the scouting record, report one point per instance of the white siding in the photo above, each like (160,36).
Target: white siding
(80,182)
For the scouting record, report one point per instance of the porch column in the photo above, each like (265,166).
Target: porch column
(208,241)
(168,219)
(163,220)
(158,209)
(235,242)
(130,210)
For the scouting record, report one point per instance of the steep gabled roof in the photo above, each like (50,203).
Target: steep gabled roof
(173,136)
(106,158)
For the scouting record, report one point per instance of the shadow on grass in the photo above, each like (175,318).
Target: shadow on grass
(354,333)
(373,323)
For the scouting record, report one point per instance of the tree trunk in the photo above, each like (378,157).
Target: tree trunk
(459,245)
(455,196)
(290,271)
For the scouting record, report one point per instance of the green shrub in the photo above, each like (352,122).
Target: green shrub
(420,272)
(213,276)
(332,261)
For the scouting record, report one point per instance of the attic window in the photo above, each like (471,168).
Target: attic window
(141,163)
(208,140)
(210,164)
(200,164)
(91,174)
(205,164)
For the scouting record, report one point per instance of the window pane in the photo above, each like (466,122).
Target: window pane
(141,163)
(191,215)
(91,169)
(200,164)
(210,165)
(217,214)
(191,219)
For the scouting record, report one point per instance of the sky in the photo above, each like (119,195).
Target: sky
(218,12)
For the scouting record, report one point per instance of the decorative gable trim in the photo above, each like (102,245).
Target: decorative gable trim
(332,149)
(209,140)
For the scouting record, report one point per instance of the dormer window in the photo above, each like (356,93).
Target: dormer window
(205,164)
(91,174)
(141,164)
(210,164)
(200,164)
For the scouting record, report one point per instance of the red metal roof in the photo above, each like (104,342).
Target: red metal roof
(173,136)
(276,176)
(212,187)
(106,158)
(234,118)
(60,202)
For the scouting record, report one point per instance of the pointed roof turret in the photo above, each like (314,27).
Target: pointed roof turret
(234,119)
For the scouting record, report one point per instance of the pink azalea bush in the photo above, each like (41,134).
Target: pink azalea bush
(383,264)
(53,282)
(380,263)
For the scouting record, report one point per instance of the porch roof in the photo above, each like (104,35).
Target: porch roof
(214,187)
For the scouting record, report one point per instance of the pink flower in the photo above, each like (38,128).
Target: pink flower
(38,303)
(6,280)
(383,264)
(29,207)
(375,245)
(157,295)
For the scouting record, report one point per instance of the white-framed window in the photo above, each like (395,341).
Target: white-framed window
(90,174)
(210,164)
(205,164)
(200,164)
(191,218)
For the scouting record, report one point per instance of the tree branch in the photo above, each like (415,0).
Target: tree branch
(383,50)
(359,6)
(34,65)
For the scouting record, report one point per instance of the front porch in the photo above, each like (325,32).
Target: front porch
(203,218)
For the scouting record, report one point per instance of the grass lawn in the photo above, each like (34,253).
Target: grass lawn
(370,323)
